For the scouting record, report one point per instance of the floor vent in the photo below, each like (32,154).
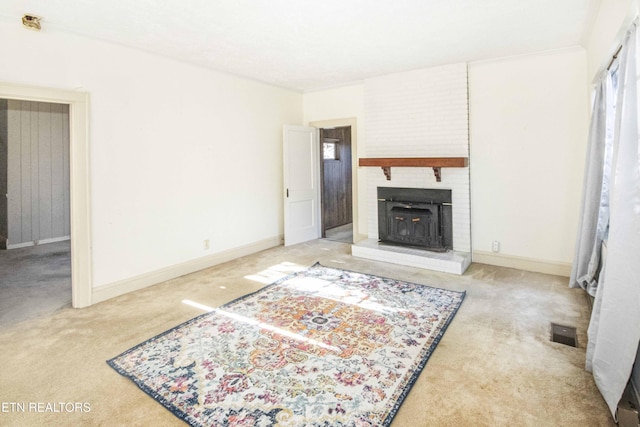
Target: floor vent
(564,335)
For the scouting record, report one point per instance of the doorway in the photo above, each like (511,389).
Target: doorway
(35,260)
(80,243)
(336,181)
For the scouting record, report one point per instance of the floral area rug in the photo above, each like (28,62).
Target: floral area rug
(321,347)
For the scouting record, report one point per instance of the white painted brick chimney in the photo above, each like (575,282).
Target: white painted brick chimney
(421,113)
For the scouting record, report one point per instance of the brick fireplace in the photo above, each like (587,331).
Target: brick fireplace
(430,231)
(412,120)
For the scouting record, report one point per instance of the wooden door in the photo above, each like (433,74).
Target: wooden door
(336,177)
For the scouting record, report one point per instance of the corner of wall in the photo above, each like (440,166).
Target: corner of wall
(607,28)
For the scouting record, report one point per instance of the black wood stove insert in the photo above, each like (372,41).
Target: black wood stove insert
(418,217)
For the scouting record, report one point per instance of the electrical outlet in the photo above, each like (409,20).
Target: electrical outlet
(495,246)
(206,244)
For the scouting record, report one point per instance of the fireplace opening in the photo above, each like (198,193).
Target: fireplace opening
(418,217)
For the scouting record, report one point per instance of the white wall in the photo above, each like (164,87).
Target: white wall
(334,105)
(528,127)
(179,154)
(610,23)
(528,132)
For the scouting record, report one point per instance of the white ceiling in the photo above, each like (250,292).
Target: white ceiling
(306,45)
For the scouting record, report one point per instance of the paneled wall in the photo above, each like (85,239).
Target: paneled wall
(3,173)
(421,113)
(37,172)
(336,180)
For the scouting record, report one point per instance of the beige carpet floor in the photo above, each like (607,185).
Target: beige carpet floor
(342,233)
(495,365)
(34,281)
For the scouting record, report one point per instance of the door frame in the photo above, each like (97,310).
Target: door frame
(323,163)
(352,122)
(80,188)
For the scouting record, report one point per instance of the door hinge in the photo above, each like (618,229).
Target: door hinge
(287,193)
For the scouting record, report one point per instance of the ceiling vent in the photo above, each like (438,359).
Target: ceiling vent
(31,22)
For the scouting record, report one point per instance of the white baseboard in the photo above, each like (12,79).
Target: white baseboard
(121,287)
(523,263)
(20,245)
(39,242)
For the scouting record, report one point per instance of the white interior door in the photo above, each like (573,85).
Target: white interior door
(301,184)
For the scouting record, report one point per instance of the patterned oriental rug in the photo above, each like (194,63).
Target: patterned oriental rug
(321,347)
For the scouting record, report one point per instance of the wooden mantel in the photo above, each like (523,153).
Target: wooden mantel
(430,162)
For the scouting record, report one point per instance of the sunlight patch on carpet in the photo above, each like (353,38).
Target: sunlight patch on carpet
(319,347)
(275,272)
(198,305)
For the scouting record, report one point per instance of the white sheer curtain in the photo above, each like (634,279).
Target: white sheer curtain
(594,220)
(614,331)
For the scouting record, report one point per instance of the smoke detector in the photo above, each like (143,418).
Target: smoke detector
(31,22)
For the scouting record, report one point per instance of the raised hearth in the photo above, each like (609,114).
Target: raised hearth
(453,262)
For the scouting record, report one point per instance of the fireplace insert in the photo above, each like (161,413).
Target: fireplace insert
(418,217)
